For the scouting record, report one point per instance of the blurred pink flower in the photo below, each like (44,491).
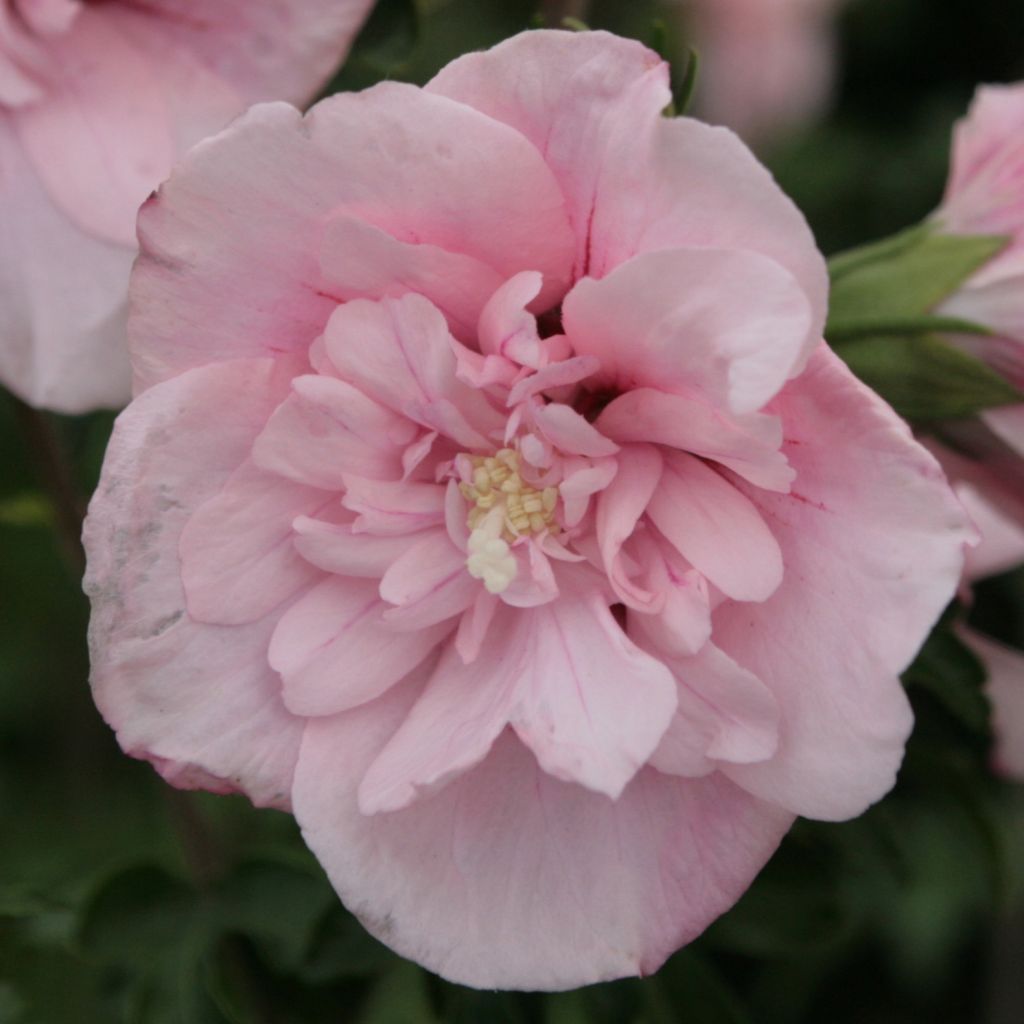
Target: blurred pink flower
(97,101)
(767,66)
(985,196)
(490,499)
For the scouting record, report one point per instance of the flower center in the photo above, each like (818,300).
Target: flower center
(503,508)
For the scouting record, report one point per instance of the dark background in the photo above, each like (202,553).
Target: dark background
(122,900)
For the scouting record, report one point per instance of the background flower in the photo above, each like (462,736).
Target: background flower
(474,404)
(985,196)
(767,66)
(97,101)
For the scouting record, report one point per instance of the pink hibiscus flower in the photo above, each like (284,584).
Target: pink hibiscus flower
(767,66)
(97,100)
(985,196)
(490,500)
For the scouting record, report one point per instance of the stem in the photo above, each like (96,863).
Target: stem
(53,469)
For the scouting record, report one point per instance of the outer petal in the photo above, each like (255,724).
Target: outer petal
(508,878)
(731,335)
(199,701)
(1005,689)
(675,182)
(105,104)
(281,50)
(446,176)
(872,539)
(572,94)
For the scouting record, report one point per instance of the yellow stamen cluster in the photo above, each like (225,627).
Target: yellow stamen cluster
(496,483)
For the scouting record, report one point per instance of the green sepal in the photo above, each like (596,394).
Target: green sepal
(902,279)
(924,378)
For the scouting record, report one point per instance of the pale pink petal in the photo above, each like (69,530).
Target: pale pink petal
(334,547)
(591,705)
(362,261)
(509,878)
(748,445)
(1002,537)
(428,584)
(619,507)
(281,50)
(725,712)
(399,352)
(334,652)
(679,623)
(701,187)
(317,443)
(868,571)
(117,94)
(535,582)
(451,178)
(238,561)
(732,336)
(107,108)
(767,66)
(986,153)
(582,481)
(474,626)
(393,509)
(506,327)
(451,727)
(568,430)
(573,95)
(198,700)
(63,345)
(718,530)
(1005,689)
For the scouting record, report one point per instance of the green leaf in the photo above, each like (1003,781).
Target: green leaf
(952,673)
(688,980)
(141,913)
(685,85)
(924,378)
(275,904)
(399,998)
(794,908)
(389,37)
(343,948)
(901,278)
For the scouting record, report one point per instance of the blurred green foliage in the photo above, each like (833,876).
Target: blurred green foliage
(124,901)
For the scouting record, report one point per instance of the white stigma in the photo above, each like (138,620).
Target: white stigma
(503,508)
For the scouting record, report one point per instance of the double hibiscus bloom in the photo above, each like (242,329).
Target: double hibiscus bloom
(490,500)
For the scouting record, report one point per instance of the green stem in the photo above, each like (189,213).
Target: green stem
(55,474)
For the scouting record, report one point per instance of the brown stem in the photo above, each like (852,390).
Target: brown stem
(50,462)
(556,11)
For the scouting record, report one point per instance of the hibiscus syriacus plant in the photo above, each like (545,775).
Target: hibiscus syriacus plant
(490,500)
